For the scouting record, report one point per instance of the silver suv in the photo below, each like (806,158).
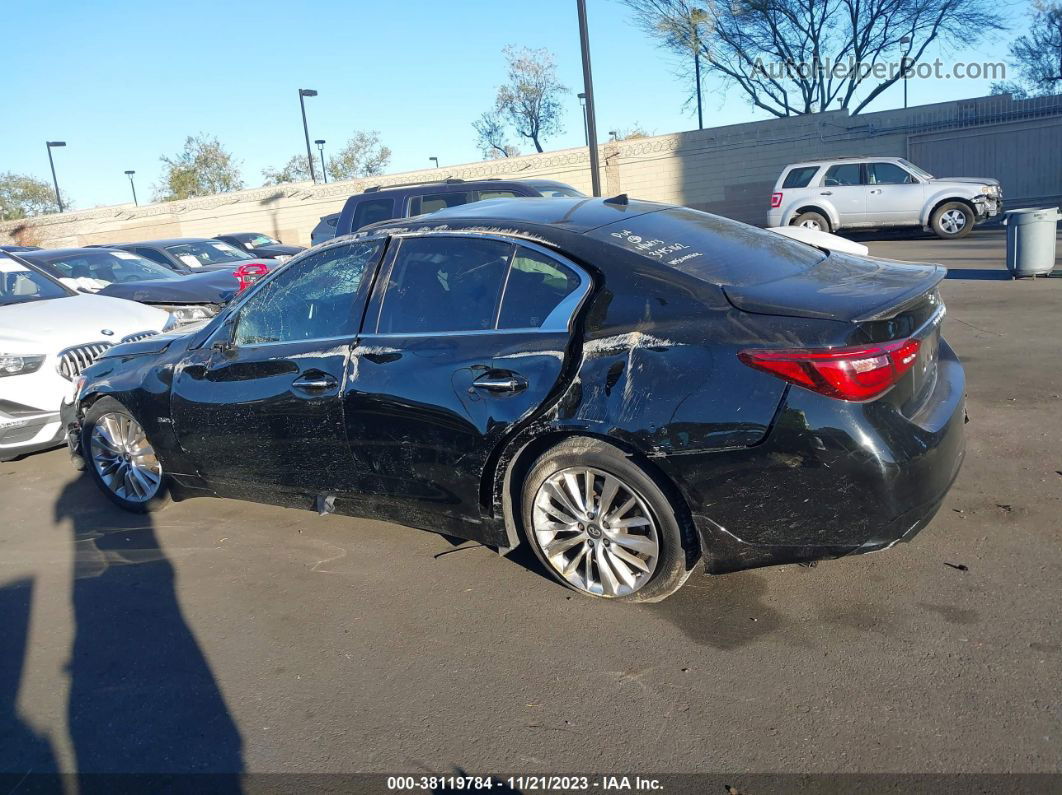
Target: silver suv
(877,192)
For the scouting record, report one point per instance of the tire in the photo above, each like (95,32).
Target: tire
(952,220)
(811,220)
(613,551)
(120,458)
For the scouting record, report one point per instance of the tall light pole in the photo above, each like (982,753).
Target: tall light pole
(303,93)
(320,148)
(582,107)
(436,161)
(131,185)
(697,16)
(50,144)
(613,135)
(903,69)
(588,88)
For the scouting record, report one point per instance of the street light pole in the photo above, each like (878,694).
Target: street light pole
(303,93)
(588,88)
(903,69)
(320,148)
(582,107)
(436,161)
(50,144)
(131,185)
(697,77)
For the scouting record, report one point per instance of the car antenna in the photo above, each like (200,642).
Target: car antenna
(621,199)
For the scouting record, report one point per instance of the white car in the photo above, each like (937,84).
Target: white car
(879,192)
(48,335)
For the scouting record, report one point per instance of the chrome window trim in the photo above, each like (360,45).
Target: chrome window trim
(559,320)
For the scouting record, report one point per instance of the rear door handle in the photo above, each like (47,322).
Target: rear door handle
(826,193)
(315,382)
(500,383)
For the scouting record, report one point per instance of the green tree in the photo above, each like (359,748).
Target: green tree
(295,170)
(202,168)
(362,156)
(1038,54)
(531,101)
(22,196)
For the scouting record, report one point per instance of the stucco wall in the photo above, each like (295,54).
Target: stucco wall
(727,170)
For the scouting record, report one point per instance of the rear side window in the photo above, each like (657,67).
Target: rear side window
(711,248)
(371,211)
(497,194)
(419,205)
(843,175)
(800,177)
(536,285)
(440,284)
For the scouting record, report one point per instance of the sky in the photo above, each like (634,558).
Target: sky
(125,81)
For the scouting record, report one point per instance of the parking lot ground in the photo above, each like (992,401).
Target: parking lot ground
(220,635)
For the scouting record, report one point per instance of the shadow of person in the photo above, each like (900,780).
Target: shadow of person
(143,700)
(24,754)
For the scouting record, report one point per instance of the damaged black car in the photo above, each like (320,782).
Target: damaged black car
(632,389)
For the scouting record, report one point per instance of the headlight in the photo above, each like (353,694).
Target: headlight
(19,364)
(989,190)
(170,324)
(182,315)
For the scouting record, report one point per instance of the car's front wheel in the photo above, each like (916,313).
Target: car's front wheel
(121,459)
(602,526)
(952,220)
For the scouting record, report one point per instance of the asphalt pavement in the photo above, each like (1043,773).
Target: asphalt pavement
(226,636)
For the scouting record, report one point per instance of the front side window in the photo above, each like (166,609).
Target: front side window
(535,286)
(154,256)
(371,211)
(800,177)
(843,175)
(211,252)
(20,285)
(420,205)
(887,174)
(313,298)
(440,284)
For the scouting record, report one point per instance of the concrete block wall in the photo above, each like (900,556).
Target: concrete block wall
(728,170)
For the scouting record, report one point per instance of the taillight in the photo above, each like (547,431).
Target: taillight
(776,200)
(248,274)
(860,372)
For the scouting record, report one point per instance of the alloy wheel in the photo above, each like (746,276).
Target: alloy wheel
(953,221)
(596,531)
(124,459)
(811,224)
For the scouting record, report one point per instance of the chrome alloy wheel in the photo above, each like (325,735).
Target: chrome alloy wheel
(596,531)
(953,221)
(124,459)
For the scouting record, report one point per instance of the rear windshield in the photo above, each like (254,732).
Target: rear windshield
(711,248)
(800,177)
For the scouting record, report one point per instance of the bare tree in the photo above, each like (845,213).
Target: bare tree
(1038,54)
(491,137)
(792,57)
(202,168)
(531,101)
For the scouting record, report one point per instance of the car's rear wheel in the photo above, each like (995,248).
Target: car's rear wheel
(952,220)
(602,526)
(121,459)
(811,220)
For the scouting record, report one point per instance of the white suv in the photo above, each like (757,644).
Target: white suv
(877,192)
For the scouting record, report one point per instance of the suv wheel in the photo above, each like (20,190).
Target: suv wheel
(811,220)
(602,526)
(952,220)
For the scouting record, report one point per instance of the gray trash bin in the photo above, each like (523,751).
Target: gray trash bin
(1031,240)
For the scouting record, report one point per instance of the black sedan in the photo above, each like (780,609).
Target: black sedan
(192,254)
(259,245)
(627,387)
(122,274)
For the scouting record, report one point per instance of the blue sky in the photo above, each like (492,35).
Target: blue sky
(124,81)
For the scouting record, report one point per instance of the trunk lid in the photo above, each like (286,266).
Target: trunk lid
(841,287)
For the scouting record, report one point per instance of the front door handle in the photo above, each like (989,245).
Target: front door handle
(826,193)
(315,382)
(500,383)
(875,190)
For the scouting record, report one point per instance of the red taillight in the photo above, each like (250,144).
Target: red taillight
(861,372)
(248,274)
(776,200)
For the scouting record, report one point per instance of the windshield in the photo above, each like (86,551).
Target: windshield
(20,285)
(919,172)
(253,241)
(105,266)
(209,252)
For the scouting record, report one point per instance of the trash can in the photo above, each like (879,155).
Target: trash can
(1031,240)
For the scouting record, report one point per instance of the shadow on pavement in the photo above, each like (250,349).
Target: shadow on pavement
(978,274)
(143,700)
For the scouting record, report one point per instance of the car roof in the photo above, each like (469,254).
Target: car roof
(55,253)
(452,182)
(821,160)
(168,241)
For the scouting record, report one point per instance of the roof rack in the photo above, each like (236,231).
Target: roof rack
(375,188)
